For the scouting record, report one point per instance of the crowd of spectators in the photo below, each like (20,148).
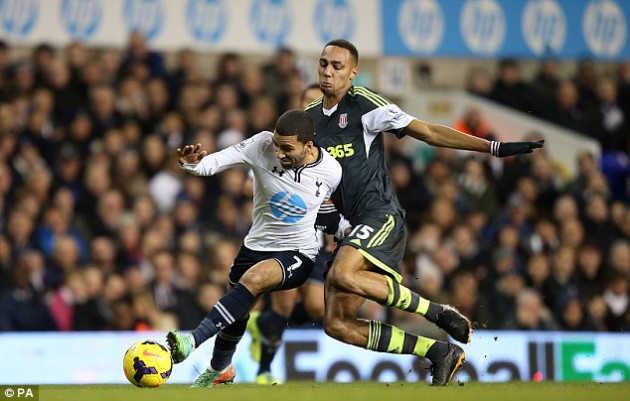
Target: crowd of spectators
(101,229)
(594,104)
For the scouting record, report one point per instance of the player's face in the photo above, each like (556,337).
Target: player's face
(291,152)
(337,68)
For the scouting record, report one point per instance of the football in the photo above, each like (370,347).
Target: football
(147,364)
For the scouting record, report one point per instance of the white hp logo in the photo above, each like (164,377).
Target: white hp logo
(544,26)
(604,27)
(483,26)
(421,25)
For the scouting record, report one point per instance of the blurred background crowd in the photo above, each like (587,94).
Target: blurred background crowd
(101,230)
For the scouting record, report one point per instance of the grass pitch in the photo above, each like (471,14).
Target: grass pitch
(358,391)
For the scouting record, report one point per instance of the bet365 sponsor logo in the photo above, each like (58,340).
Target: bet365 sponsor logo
(19,392)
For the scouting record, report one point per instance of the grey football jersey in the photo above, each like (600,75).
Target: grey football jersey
(352,132)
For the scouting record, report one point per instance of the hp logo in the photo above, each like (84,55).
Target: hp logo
(421,25)
(271,21)
(207,19)
(81,18)
(146,16)
(604,27)
(286,207)
(544,26)
(483,26)
(334,19)
(18,17)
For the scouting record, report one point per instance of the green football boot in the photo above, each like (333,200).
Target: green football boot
(181,345)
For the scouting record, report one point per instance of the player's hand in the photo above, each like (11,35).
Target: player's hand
(191,154)
(504,149)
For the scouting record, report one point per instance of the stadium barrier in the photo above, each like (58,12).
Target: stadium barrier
(492,356)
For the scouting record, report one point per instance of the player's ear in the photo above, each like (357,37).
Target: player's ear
(354,73)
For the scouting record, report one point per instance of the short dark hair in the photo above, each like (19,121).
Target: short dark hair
(296,122)
(345,44)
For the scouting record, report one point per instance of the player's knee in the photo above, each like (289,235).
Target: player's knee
(255,282)
(342,279)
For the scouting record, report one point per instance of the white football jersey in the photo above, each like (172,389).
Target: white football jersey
(286,202)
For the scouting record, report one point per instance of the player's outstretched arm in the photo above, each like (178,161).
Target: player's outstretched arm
(446,137)
(190,154)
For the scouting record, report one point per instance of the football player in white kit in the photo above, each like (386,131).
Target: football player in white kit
(292,178)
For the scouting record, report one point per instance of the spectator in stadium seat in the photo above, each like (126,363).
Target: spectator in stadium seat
(585,80)
(186,70)
(251,86)
(586,166)
(88,314)
(619,256)
(611,123)
(589,276)
(572,233)
(597,225)
(531,313)
(229,69)
(168,295)
(103,110)
(22,308)
(617,298)
(509,88)
(547,182)
(545,84)
(569,111)
(478,82)
(537,271)
(278,73)
(561,281)
(503,298)
(573,315)
(477,189)
(138,53)
(598,310)
(472,123)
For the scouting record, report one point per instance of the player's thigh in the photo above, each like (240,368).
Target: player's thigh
(263,277)
(295,267)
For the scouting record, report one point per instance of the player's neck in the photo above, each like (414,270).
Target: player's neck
(331,101)
(312,157)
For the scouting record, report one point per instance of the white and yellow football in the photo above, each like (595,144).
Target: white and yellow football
(147,364)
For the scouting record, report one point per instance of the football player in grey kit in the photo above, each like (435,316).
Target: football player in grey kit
(349,123)
(292,178)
